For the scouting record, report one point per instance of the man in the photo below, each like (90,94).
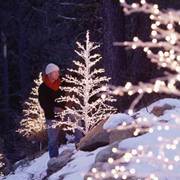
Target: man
(48,92)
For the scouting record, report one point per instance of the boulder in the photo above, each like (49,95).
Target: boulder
(95,138)
(119,135)
(100,136)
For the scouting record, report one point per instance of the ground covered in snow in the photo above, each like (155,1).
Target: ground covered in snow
(154,155)
(76,169)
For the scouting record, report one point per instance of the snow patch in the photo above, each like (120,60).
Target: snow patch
(117,119)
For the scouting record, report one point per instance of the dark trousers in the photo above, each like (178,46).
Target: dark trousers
(53,139)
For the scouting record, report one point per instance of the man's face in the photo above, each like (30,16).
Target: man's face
(53,76)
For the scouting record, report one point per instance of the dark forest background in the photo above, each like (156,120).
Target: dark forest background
(36,32)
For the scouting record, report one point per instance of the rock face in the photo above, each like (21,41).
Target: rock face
(56,164)
(98,137)
(159,110)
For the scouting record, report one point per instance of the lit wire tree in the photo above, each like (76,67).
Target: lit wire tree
(86,89)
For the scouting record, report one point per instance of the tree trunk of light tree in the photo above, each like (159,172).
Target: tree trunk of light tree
(114,57)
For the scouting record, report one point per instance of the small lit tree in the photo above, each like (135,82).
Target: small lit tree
(86,89)
(32,126)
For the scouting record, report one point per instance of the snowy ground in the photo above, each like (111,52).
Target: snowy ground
(154,155)
(36,168)
(76,169)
